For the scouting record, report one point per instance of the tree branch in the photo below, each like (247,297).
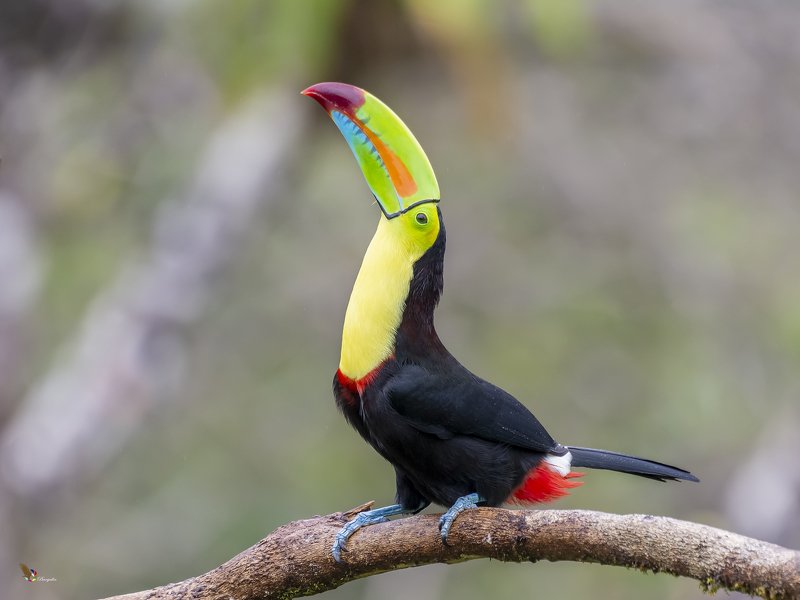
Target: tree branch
(295,559)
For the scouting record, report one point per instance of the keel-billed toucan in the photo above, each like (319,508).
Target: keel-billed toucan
(453,438)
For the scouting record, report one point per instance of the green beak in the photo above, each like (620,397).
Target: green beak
(394,164)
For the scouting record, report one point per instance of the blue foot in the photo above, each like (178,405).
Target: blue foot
(369,517)
(463,503)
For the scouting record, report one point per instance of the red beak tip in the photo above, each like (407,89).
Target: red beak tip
(336,96)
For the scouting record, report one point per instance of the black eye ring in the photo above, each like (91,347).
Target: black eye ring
(422,218)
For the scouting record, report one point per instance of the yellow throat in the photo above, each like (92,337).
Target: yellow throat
(379,295)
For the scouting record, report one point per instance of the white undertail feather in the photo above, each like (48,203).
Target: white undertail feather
(560,464)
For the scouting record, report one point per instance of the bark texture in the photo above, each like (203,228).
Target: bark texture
(295,559)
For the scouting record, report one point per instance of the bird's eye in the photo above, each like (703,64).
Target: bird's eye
(422,218)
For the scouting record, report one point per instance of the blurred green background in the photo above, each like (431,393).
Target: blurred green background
(179,231)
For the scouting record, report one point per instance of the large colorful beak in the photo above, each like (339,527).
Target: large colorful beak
(394,164)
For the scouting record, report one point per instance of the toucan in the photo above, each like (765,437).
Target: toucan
(453,438)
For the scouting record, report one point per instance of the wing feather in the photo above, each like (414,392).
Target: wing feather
(459,403)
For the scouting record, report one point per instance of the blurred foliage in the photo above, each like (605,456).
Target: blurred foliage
(273,41)
(620,190)
(561,27)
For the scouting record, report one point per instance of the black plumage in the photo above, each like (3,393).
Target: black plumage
(447,432)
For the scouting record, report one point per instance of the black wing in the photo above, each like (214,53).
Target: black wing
(459,403)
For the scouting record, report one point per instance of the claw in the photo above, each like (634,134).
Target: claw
(460,505)
(370,517)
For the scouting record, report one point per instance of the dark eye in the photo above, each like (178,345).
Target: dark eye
(422,218)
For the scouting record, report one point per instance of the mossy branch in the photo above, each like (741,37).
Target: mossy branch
(295,559)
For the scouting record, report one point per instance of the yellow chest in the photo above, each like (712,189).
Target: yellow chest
(376,304)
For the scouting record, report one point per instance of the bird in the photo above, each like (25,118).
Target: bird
(454,439)
(28,573)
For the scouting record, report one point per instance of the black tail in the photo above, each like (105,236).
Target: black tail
(613,461)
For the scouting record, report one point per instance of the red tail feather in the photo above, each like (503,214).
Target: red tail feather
(543,484)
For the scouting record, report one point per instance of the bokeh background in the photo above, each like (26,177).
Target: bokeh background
(179,231)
